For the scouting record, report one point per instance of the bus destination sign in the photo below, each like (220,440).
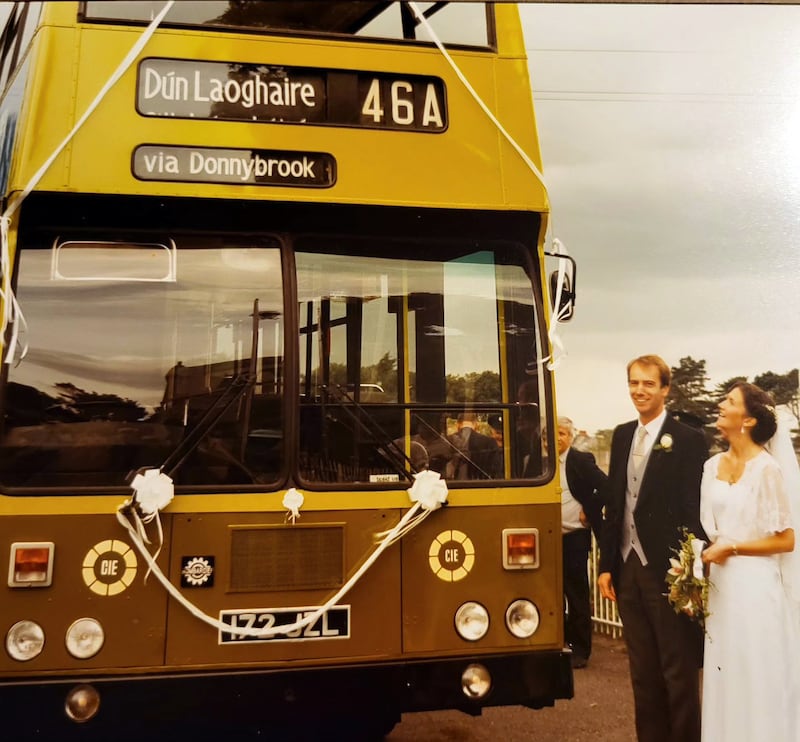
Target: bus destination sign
(262,93)
(234,166)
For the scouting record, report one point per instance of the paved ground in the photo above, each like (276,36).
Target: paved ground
(601,711)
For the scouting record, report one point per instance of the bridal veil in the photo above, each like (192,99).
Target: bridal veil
(781,449)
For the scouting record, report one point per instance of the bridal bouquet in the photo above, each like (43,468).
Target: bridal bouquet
(688,585)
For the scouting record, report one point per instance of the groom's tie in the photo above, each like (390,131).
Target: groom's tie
(639,449)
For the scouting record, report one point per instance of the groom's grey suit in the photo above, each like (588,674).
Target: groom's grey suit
(664,648)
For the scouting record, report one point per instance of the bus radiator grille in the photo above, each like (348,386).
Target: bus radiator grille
(280,558)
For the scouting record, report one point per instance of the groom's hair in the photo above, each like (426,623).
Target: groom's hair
(761,406)
(651,360)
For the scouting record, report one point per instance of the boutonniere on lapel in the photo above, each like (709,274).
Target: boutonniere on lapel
(665,444)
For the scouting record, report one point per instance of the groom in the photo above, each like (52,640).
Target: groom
(653,490)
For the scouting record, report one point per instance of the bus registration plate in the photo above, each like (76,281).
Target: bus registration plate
(333,624)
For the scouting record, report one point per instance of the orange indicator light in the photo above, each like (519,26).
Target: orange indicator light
(31,564)
(520,548)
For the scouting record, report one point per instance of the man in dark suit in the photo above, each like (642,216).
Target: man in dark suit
(582,493)
(653,491)
(476,456)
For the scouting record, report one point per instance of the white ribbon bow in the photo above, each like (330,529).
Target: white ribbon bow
(293,501)
(429,490)
(154,491)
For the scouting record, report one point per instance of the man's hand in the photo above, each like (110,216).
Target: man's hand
(606,586)
(583,519)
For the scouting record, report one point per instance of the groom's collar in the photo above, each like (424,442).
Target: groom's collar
(655,425)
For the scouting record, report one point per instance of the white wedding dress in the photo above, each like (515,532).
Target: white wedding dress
(750,688)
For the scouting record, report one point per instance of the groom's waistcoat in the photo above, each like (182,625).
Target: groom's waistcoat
(630,535)
(668,495)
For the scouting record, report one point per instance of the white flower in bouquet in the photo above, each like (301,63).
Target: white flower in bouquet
(688,585)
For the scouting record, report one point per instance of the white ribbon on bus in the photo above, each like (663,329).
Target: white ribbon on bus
(557,345)
(428,493)
(12,313)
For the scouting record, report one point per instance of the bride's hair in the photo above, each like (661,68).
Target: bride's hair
(761,406)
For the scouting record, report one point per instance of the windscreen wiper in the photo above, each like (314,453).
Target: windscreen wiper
(387,446)
(239,385)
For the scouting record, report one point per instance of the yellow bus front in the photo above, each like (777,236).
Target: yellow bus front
(277,417)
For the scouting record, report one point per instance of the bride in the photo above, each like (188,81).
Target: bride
(746,507)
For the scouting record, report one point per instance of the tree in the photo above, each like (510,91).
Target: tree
(720,390)
(384,372)
(783,388)
(475,386)
(84,406)
(688,397)
(602,439)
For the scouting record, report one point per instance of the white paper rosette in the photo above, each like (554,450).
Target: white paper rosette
(293,501)
(154,491)
(429,490)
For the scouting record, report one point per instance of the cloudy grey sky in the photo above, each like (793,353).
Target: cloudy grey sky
(670,139)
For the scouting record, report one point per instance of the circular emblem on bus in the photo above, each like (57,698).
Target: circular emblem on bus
(451,556)
(109,567)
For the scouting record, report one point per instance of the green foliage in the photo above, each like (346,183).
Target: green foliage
(689,397)
(384,372)
(473,387)
(783,388)
(720,390)
(602,439)
(687,593)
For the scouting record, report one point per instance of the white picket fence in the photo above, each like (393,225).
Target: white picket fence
(604,612)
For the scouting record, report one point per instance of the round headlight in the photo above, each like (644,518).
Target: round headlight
(522,618)
(476,681)
(82,703)
(472,621)
(85,638)
(25,640)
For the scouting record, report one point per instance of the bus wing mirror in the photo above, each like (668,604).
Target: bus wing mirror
(565,274)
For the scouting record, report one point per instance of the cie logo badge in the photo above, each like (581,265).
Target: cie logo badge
(109,567)
(451,556)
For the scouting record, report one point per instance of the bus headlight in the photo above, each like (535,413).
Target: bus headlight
(85,638)
(82,703)
(476,681)
(472,621)
(25,640)
(522,618)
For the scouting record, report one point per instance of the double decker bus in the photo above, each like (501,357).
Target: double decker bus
(275,397)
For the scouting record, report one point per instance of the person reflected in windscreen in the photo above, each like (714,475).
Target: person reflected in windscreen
(428,448)
(438,448)
(475,455)
(582,493)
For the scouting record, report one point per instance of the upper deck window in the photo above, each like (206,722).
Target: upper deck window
(20,24)
(457,24)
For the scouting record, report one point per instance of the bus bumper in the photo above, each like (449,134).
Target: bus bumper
(36,708)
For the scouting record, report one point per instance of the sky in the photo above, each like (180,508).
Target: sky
(670,139)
